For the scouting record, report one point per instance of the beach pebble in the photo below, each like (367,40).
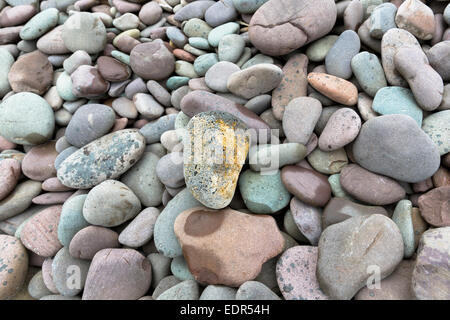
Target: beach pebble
(369,72)
(14,266)
(403,219)
(417,18)
(186,290)
(436,127)
(90,240)
(307,219)
(19,199)
(71,220)
(254,290)
(140,230)
(382,19)
(9,176)
(65,270)
(434,206)
(217,76)
(218,292)
(342,128)
(335,88)
(273,156)
(152,60)
(339,57)
(328,162)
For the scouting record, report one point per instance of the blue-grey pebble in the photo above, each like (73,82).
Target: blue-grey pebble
(199,43)
(40,24)
(165,239)
(254,290)
(176,36)
(204,62)
(63,155)
(338,59)
(192,10)
(186,290)
(180,269)
(89,122)
(175,82)
(231,48)
(71,220)
(403,219)
(369,72)
(6,61)
(257,59)
(447,14)
(437,127)
(152,131)
(160,267)
(64,87)
(382,19)
(219,32)
(248,6)
(221,12)
(69,273)
(218,292)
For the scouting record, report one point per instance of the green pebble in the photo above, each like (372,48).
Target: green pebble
(328,162)
(122,57)
(64,87)
(204,62)
(71,220)
(318,50)
(185,69)
(258,59)
(199,43)
(196,28)
(437,126)
(219,32)
(40,24)
(403,219)
(369,72)
(336,187)
(176,82)
(180,269)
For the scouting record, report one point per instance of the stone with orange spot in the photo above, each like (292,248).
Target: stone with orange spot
(226,247)
(337,89)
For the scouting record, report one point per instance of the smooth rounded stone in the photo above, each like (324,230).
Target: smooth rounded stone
(215,35)
(307,219)
(438,57)
(19,199)
(369,72)
(397,286)
(78,58)
(353,15)
(125,107)
(328,162)
(32,73)
(382,19)
(447,14)
(296,274)
(193,10)
(36,287)
(342,128)
(254,290)
(437,128)
(64,87)
(300,118)
(335,88)
(218,292)
(211,176)
(59,297)
(113,70)
(336,188)
(126,21)
(257,59)
(159,93)
(132,275)
(425,83)
(339,57)
(291,227)
(110,204)
(152,60)
(201,230)
(10,173)
(47,275)
(176,82)
(105,158)
(201,101)
(196,28)
(340,209)
(255,80)
(231,47)
(14,266)
(185,69)
(62,117)
(186,290)
(273,156)
(160,267)
(397,100)
(441,177)
(150,13)
(318,50)
(164,236)
(434,206)
(220,13)
(248,6)
(398,149)
(205,62)
(153,130)
(7,60)
(392,41)
(147,106)
(90,122)
(40,232)
(71,220)
(403,219)
(165,284)
(217,75)
(348,248)
(27,119)
(52,198)
(273,21)
(294,84)
(417,18)
(87,82)
(69,273)
(326,114)
(263,193)
(91,239)
(369,187)
(259,104)
(169,170)
(140,230)
(178,95)
(84,31)
(307,185)
(432,254)
(142,179)
(40,24)
(14,16)
(63,156)
(180,269)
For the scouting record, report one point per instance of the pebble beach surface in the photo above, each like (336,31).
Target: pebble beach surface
(224,150)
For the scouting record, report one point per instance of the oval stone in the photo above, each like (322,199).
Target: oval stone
(88,241)
(38,163)
(14,260)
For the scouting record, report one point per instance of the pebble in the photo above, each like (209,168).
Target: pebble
(90,240)
(180,269)
(203,63)
(140,230)
(328,162)
(369,72)
(27,119)
(254,290)
(403,219)
(215,35)
(434,206)
(307,219)
(220,13)
(218,292)
(186,290)
(369,187)
(341,129)
(132,275)
(19,199)
(40,232)
(36,287)
(212,176)
(14,266)
(63,270)
(307,185)
(263,193)
(347,249)
(9,176)
(200,230)
(110,204)
(335,88)
(436,127)
(397,100)
(417,18)
(170,170)
(105,158)
(438,58)
(147,106)
(113,70)
(273,156)
(274,20)
(382,19)
(255,80)
(152,131)
(217,76)
(159,93)
(318,50)
(150,13)
(296,274)
(71,220)
(152,60)
(339,57)
(398,149)
(7,60)
(230,48)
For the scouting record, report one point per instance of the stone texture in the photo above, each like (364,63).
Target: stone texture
(435,206)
